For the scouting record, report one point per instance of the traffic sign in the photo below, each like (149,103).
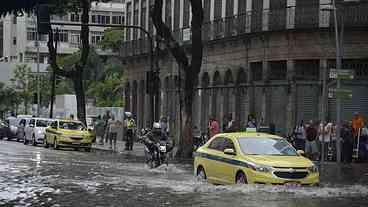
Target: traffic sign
(342,74)
(344,93)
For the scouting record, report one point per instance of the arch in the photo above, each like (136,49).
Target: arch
(205,80)
(228,77)
(216,79)
(241,76)
(205,99)
(228,97)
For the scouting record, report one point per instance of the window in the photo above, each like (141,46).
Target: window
(54,125)
(63,35)
(31,34)
(101,19)
(186,14)
(74,17)
(72,125)
(75,38)
(266,146)
(43,123)
(168,13)
(228,144)
(96,37)
(217,144)
(14,40)
(117,20)
(93,18)
(22,122)
(32,122)
(143,13)
(14,19)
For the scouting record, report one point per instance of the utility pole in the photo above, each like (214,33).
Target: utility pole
(338,86)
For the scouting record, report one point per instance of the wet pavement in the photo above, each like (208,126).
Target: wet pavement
(34,176)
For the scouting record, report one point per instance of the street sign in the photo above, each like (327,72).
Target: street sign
(344,93)
(342,74)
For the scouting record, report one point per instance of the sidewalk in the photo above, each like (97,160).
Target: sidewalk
(138,148)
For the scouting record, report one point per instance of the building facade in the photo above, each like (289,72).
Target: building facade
(262,57)
(19,33)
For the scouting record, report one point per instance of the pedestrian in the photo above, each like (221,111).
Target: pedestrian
(113,128)
(214,127)
(323,138)
(230,127)
(71,117)
(300,136)
(129,126)
(251,122)
(164,126)
(311,146)
(347,146)
(100,129)
(106,117)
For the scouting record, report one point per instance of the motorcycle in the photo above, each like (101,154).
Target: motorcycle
(198,141)
(155,153)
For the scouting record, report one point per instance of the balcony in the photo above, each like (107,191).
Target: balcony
(290,18)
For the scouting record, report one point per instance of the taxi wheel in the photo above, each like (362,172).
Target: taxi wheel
(241,178)
(201,174)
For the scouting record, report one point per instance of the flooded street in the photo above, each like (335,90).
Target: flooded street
(34,176)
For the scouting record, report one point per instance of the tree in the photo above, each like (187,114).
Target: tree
(9,99)
(75,72)
(112,39)
(21,81)
(191,70)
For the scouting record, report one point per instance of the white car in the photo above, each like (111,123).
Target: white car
(35,130)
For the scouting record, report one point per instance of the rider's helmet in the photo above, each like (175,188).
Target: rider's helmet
(128,114)
(156,127)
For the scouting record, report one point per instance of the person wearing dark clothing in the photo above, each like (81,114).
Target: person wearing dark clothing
(311,147)
(347,137)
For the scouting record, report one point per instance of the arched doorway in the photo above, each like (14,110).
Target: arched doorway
(241,99)
(228,107)
(216,96)
(205,96)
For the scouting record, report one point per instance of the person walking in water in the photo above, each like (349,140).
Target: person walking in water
(113,128)
(129,131)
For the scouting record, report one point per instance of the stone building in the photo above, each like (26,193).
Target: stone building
(261,57)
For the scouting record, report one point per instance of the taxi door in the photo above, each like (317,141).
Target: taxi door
(229,166)
(213,160)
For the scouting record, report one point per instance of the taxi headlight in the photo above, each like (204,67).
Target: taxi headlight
(261,168)
(313,169)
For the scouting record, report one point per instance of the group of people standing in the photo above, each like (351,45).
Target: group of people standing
(108,127)
(312,136)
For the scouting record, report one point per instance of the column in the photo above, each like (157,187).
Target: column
(323,105)
(290,14)
(291,104)
(249,17)
(324,16)
(265,95)
(265,15)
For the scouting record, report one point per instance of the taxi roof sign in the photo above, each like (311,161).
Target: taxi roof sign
(251,129)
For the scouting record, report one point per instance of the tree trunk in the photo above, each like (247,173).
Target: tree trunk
(81,102)
(25,106)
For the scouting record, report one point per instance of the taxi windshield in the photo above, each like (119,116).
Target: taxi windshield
(71,125)
(266,146)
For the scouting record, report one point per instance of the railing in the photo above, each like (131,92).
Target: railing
(262,21)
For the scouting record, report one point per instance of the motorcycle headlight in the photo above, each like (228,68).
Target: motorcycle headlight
(313,169)
(261,168)
(39,131)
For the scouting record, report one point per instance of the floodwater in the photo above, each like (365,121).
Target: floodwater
(34,176)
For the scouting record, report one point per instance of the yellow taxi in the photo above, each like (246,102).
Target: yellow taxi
(253,158)
(68,133)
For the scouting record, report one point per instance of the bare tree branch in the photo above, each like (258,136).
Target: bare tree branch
(162,30)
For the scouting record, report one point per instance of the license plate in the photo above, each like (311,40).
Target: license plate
(163,148)
(292,184)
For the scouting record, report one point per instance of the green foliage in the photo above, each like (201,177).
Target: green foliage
(21,82)
(9,98)
(112,39)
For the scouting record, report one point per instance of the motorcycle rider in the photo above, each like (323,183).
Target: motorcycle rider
(155,136)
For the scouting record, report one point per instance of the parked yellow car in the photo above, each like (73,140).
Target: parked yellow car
(69,133)
(254,158)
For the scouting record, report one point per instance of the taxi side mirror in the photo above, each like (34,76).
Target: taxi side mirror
(229,152)
(300,152)
(31,125)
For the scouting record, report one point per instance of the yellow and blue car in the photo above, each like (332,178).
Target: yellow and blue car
(253,158)
(69,133)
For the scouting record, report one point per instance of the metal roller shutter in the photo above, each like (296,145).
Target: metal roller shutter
(307,103)
(278,109)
